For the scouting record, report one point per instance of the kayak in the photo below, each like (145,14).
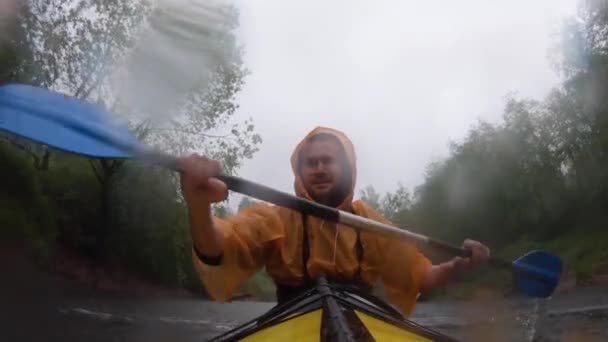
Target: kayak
(332,312)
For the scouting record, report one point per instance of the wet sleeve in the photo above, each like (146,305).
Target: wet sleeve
(401,267)
(248,238)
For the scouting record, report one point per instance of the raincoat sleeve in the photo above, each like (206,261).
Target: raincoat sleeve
(248,238)
(400,266)
(403,271)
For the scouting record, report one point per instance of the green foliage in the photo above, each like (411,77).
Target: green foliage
(25,212)
(74,47)
(537,179)
(149,228)
(393,205)
(124,215)
(539,172)
(370,196)
(498,183)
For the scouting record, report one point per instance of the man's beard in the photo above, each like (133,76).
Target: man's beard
(335,197)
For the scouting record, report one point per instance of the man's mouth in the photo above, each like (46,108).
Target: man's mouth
(322,184)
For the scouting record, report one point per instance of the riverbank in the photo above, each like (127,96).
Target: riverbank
(585,268)
(84,273)
(76,274)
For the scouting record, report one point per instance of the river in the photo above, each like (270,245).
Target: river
(39,307)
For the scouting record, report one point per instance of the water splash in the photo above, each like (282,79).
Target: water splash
(97,315)
(533,322)
(215,324)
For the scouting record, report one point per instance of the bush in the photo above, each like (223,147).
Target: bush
(145,225)
(25,213)
(149,227)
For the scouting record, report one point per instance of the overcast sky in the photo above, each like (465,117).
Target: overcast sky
(400,78)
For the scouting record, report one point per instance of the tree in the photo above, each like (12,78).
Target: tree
(394,204)
(370,196)
(579,107)
(71,48)
(74,50)
(540,173)
(391,205)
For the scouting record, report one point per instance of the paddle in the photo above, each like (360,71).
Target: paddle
(66,123)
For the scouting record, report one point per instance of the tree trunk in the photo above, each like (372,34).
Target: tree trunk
(102,224)
(105,171)
(46,159)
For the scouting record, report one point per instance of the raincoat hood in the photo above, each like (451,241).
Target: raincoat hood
(351,158)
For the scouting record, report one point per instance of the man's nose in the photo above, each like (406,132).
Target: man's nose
(320,168)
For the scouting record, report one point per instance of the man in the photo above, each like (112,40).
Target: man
(294,248)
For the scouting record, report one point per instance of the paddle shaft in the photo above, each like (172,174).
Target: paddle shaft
(307,207)
(311,208)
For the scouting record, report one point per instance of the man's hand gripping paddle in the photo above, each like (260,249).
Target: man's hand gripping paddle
(71,125)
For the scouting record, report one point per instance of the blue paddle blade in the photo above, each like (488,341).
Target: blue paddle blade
(61,121)
(537,273)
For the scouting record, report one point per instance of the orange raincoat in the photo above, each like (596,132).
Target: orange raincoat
(270,236)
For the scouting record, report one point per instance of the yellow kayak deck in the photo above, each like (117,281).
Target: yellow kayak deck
(330,312)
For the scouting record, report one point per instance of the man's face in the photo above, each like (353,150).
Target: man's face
(322,168)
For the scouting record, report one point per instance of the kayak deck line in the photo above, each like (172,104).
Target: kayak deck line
(330,312)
